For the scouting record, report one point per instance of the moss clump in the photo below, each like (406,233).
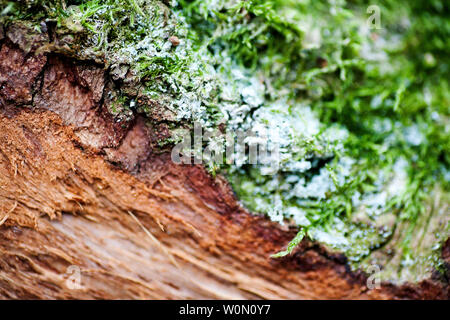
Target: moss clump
(362,117)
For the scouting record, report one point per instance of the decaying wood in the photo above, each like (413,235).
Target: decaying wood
(79,189)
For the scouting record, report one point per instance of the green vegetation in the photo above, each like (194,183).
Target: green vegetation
(361,115)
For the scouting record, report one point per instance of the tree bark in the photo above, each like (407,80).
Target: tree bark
(79,191)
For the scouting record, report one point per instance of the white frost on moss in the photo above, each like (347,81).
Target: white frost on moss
(333,238)
(413,135)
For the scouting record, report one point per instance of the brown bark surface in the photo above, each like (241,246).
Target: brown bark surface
(78,188)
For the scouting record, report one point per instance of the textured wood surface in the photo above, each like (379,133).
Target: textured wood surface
(80,192)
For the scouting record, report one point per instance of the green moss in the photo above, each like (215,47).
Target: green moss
(378,86)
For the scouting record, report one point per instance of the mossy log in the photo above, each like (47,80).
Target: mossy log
(78,189)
